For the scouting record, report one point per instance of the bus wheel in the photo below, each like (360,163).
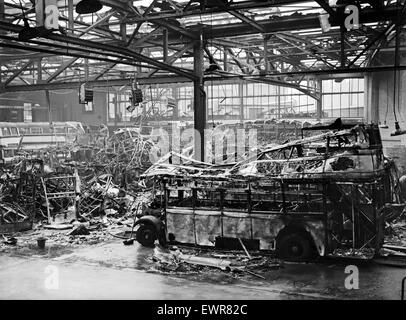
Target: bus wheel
(294,247)
(146,235)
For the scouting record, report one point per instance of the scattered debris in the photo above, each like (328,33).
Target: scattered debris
(96,184)
(80,230)
(58,226)
(396,248)
(364,253)
(9,240)
(98,189)
(192,260)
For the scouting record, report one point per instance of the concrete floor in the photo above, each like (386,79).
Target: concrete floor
(114,271)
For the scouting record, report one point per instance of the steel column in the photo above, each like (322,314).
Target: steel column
(199,101)
(319,106)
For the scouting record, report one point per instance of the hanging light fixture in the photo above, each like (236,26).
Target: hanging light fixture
(27,32)
(396,83)
(212,67)
(384,125)
(88,6)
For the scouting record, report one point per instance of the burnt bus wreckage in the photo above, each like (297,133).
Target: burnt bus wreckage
(327,195)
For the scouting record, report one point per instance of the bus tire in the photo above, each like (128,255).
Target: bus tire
(294,247)
(146,234)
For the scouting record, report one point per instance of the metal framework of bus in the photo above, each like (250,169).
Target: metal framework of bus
(333,187)
(33,137)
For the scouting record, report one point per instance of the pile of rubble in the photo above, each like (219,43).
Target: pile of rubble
(186,260)
(89,187)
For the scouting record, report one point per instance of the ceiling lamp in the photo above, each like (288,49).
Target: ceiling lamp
(27,32)
(212,67)
(88,6)
(214,3)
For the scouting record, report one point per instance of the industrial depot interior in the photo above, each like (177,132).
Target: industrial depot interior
(202,149)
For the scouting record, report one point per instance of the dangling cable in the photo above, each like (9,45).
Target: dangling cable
(387,101)
(212,82)
(399,83)
(394,85)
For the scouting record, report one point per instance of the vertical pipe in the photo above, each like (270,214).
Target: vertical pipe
(2,10)
(353,219)
(71,21)
(175,94)
(199,100)
(266,64)
(48,100)
(279,102)
(342,46)
(319,111)
(325,215)
(123,31)
(165,45)
(115,108)
(225,59)
(39,70)
(395,71)
(86,69)
(240,92)
(2,18)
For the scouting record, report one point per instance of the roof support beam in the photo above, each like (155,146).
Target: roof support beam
(175,57)
(116,4)
(175,28)
(309,21)
(16,73)
(246,20)
(106,48)
(188,11)
(99,83)
(137,28)
(107,69)
(98,22)
(61,69)
(153,33)
(324,4)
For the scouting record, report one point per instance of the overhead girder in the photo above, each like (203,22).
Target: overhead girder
(103,47)
(211,34)
(189,10)
(309,21)
(282,24)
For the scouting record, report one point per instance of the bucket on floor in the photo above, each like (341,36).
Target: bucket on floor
(41,242)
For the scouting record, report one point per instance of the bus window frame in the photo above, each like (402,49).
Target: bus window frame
(16,133)
(3,131)
(36,133)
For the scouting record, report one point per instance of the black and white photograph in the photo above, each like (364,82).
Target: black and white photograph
(202,155)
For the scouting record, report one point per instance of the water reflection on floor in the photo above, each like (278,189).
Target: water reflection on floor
(114,271)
